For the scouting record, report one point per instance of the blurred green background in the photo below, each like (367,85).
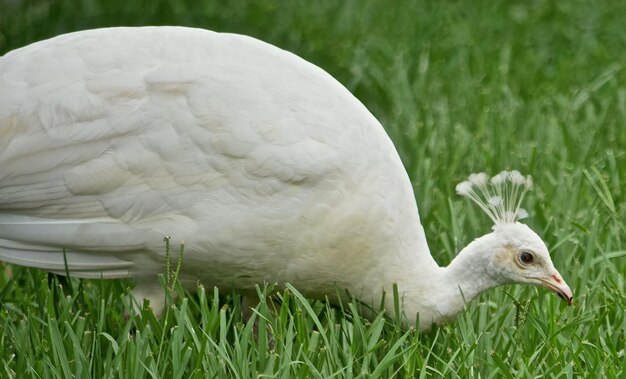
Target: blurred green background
(461,87)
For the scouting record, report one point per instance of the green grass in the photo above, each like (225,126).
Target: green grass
(533,85)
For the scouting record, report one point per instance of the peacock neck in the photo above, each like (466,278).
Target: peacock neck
(467,276)
(437,293)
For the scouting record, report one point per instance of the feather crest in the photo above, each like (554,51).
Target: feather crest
(499,197)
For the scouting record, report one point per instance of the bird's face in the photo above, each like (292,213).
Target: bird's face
(521,256)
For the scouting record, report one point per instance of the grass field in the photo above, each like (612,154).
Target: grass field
(535,85)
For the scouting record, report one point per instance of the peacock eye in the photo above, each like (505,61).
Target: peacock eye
(526,258)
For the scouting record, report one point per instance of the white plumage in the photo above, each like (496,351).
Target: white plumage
(265,166)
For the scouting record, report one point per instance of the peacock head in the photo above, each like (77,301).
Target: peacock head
(517,253)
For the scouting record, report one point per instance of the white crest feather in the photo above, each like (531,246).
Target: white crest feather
(499,197)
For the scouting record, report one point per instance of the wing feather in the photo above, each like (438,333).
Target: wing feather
(117,140)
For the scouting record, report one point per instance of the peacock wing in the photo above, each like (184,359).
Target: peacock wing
(115,142)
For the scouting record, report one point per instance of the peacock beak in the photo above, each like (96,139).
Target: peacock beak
(556,283)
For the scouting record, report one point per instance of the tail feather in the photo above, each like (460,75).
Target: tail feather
(103,234)
(58,260)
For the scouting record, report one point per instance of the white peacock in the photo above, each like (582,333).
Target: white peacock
(267,167)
